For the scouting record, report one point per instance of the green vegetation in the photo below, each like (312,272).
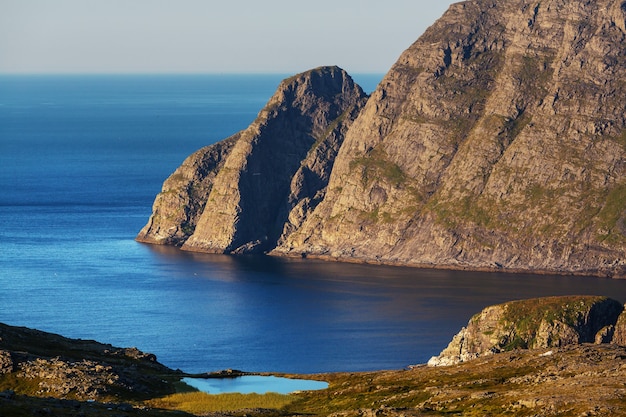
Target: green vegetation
(526,316)
(376,165)
(356,391)
(187,228)
(612,214)
(482,212)
(535,73)
(201,402)
(377,215)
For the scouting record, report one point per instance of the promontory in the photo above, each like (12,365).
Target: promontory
(496,141)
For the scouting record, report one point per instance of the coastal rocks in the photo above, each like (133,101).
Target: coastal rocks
(180,203)
(6,362)
(496,141)
(574,380)
(83,379)
(531,324)
(619,330)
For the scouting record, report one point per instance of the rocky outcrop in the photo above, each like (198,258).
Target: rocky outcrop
(41,364)
(180,203)
(249,192)
(536,323)
(496,141)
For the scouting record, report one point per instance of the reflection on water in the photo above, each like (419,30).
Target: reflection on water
(312,316)
(254,384)
(202,313)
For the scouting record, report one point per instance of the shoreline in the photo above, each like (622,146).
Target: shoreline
(380,262)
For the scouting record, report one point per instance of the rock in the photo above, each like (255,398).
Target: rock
(496,141)
(45,364)
(492,143)
(532,324)
(619,332)
(245,194)
(178,207)
(6,362)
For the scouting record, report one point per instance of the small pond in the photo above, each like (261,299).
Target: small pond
(254,384)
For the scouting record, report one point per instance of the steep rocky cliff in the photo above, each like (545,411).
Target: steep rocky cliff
(250,191)
(536,323)
(497,141)
(178,207)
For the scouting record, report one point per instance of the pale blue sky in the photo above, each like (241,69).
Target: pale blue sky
(206,36)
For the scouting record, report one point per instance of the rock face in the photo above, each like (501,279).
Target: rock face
(178,207)
(497,141)
(249,192)
(536,323)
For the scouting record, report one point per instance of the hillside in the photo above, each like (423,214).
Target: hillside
(496,141)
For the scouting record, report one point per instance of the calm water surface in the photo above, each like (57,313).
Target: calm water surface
(81,159)
(254,384)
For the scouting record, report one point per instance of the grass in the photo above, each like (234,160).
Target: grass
(377,165)
(200,402)
(614,209)
(526,316)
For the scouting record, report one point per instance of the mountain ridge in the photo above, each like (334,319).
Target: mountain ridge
(496,141)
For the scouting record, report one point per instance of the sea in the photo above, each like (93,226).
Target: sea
(82,158)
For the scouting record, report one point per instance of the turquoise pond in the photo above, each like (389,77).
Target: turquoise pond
(254,384)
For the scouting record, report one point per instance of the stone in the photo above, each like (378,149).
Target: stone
(532,324)
(6,362)
(261,183)
(619,332)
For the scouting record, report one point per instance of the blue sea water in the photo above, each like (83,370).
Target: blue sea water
(81,160)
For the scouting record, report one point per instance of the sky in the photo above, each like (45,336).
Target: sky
(208,36)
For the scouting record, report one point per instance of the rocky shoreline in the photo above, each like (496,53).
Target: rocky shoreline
(549,356)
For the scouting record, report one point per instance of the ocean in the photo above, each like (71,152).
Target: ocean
(81,160)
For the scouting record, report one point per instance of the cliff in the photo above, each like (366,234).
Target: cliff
(551,322)
(496,141)
(250,191)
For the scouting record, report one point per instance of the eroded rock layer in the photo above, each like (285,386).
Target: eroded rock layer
(247,193)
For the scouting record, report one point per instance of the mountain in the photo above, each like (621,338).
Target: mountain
(496,141)
(246,193)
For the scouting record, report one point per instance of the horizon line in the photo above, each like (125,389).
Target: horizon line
(148,73)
